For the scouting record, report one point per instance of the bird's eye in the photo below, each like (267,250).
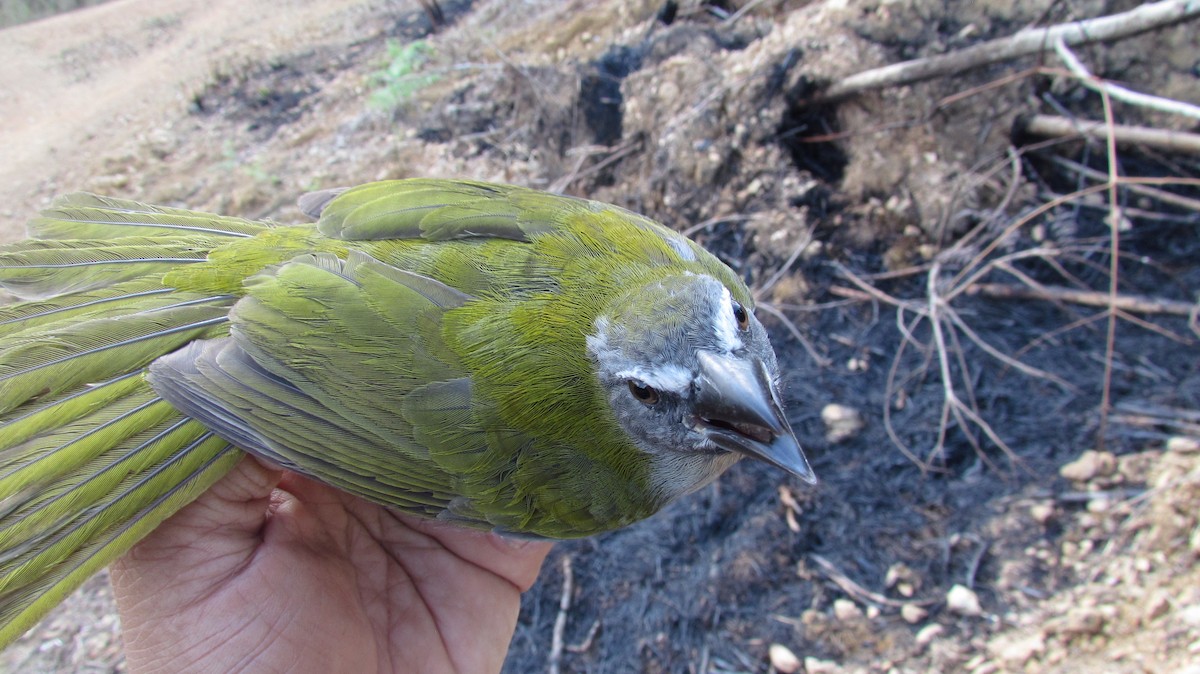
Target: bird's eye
(644,394)
(741,316)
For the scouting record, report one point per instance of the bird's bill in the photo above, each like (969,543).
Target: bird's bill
(738,409)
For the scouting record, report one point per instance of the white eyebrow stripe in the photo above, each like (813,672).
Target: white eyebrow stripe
(662,377)
(725,325)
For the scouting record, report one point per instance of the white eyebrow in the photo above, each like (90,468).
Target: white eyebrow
(671,378)
(725,324)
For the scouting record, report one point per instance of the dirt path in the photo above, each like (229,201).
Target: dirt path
(75,87)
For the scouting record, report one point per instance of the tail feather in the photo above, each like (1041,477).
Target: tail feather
(114,299)
(55,361)
(91,459)
(50,413)
(109,531)
(30,469)
(72,500)
(87,216)
(36,268)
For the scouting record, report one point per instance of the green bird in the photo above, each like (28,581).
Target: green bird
(488,355)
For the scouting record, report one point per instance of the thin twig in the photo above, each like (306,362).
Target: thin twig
(560,622)
(805,242)
(1141,304)
(821,360)
(1024,43)
(1114,275)
(586,645)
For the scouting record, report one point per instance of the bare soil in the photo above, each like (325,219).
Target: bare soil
(1057,543)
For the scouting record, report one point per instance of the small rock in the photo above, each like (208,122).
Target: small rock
(1156,606)
(872,612)
(1041,513)
(1080,622)
(928,633)
(846,610)
(818,666)
(1015,652)
(905,589)
(913,614)
(897,573)
(1091,464)
(783,659)
(1190,616)
(1183,445)
(963,601)
(842,422)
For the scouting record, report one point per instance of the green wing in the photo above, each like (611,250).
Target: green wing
(336,369)
(384,214)
(442,210)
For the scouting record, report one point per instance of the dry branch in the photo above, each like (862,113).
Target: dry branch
(1063,127)
(1119,92)
(1024,43)
(1138,304)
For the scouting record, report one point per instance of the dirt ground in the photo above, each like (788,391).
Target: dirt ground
(1019,531)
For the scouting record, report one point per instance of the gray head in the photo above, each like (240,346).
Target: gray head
(691,376)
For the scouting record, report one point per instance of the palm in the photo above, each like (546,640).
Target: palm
(311,579)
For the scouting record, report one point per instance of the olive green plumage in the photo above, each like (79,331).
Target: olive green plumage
(451,349)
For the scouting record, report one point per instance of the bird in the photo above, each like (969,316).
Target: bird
(489,355)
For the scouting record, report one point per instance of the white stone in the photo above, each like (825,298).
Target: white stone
(963,601)
(783,659)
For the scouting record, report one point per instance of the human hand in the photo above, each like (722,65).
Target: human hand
(271,572)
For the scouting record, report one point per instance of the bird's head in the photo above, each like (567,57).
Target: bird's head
(691,377)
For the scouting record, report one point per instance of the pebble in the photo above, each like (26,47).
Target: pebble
(897,573)
(1016,652)
(1081,621)
(1183,445)
(963,601)
(818,666)
(783,659)
(1041,513)
(842,422)
(928,633)
(846,610)
(1190,616)
(1156,606)
(1091,464)
(913,614)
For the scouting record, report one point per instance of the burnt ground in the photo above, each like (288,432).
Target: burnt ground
(1074,531)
